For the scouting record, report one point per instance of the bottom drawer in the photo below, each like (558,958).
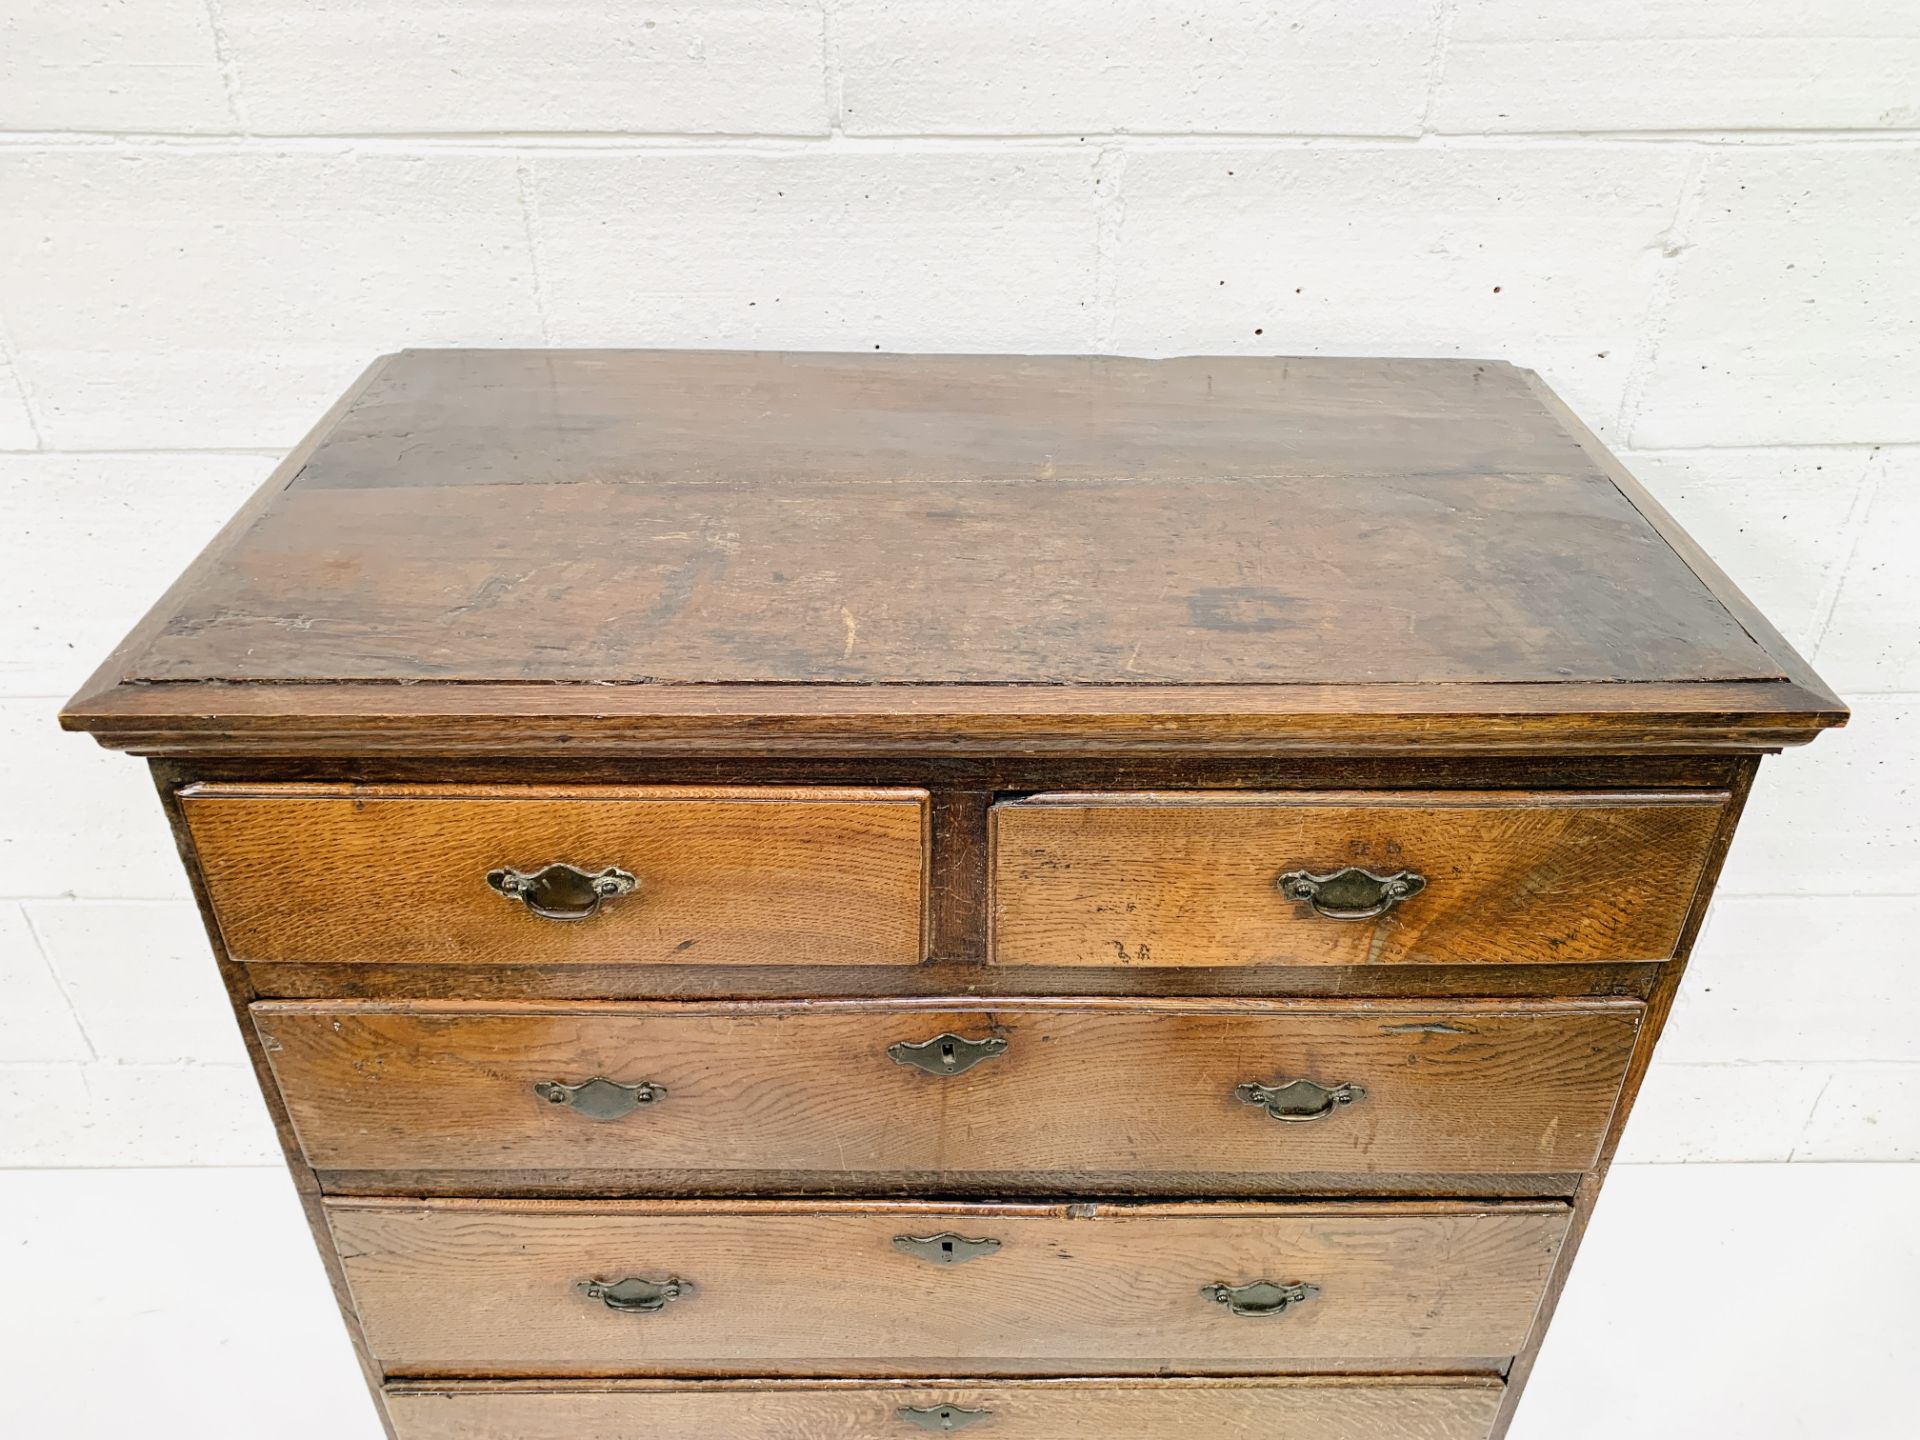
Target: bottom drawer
(677,1288)
(1330,1408)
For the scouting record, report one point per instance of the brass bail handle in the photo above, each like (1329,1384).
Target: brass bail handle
(561,891)
(1299,1102)
(635,1296)
(1352,893)
(1261,1299)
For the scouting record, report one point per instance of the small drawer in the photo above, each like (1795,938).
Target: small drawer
(1049,1096)
(488,1287)
(431,874)
(1231,879)
(1404,1407)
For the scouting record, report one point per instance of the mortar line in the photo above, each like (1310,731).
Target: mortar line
(1806,1122)
(29,403)
(229,68)
(1652,330)
(889,141)
(59,985)
(1109,216)
(1445,13)
(82,451)
(1866,491)
(530,229)
(833,88)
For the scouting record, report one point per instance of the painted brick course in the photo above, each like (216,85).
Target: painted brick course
(1545,260)
(1679,65)
(315,67)
(1296,67)
(97,65)
(1794,316)
(948,250)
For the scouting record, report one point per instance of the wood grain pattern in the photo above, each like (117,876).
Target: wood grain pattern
(1095,581)
(497,552)
(1373,1408)
(487,1287)
(1189,879)
(1012,721)
(397,874)
(1047,1185)
(1085,1091)
(740,518)
(936,978)
(1792,663)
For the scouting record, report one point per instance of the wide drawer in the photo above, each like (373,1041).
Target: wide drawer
(1182,879)
(1406,1407)
(1165,1096)
(450,1287)
(369,874)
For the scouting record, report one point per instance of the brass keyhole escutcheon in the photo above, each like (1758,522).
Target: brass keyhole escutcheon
(600,1098)
(941,1418)
(945,1248)
(947,1054)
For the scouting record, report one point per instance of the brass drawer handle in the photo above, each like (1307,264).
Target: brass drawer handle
(947,1054)
(634,1296)
(945,1248)
(1298,1102)
(561,891)
(600,1098)
(1261,1299)
(1352,893)
(943,1417)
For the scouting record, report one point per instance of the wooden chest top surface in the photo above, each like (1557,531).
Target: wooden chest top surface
(1346,535)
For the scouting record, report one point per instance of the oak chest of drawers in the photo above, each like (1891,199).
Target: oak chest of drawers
(822,896)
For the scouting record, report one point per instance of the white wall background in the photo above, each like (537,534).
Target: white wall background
(1699,219)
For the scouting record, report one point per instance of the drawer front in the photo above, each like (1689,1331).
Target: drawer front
(553,1288)
(1179,1096)
(1189,879)
(438,874)
(1301,1408)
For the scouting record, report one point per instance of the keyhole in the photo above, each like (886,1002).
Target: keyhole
(947,1054)
(946,1412)
(946,1247)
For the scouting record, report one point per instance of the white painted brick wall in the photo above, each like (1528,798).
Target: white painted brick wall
(1699,219)
(1793,316)
(1025,67)
(1679,65)
(1545,257)
(821,248)
(102,65)
(321,67)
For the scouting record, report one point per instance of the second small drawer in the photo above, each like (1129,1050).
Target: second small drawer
(1161,1096)
(1226,878)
